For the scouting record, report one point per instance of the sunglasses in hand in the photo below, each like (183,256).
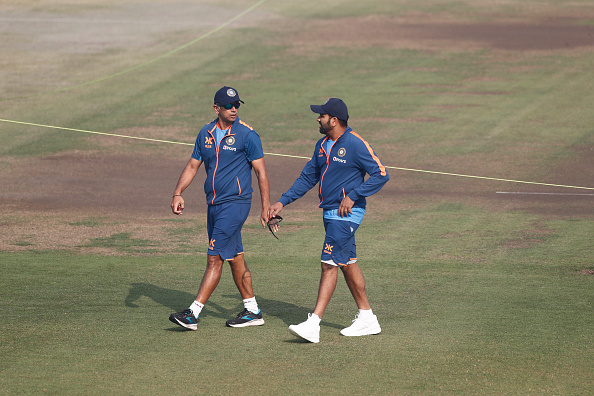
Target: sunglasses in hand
(273,222)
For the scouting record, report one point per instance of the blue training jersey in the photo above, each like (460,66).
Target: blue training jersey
(340,172)
(228,163)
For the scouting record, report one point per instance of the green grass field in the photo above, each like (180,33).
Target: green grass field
(476,292)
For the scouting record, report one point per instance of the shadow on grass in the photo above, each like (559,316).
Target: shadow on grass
(177,300)
(173,299)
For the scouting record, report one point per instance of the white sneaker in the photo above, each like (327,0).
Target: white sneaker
(308,330)
(362,327)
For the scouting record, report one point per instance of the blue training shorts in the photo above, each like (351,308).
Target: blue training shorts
(224,223)
(339,245)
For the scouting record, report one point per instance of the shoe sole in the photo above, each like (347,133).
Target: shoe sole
(255,322)
(374,331)
(187,326)
(315,340)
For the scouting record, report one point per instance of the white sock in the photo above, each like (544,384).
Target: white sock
(251,305)
(314,318)
(365,313)
(196,308)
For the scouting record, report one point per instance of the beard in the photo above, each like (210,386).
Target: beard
(325,129)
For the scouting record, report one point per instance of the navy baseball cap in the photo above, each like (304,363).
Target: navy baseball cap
(226,95)
(333,107)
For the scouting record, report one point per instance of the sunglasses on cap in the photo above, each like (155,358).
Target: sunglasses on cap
(228,106)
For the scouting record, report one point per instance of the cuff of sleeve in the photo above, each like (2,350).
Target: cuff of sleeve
(284,200)
(353,195)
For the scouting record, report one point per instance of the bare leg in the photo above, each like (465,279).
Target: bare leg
(327,287)
(242,276)
(356,283)
(210,279)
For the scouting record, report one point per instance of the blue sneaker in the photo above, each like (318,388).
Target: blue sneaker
(246,318)
(185,318)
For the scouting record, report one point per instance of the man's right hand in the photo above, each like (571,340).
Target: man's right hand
(274,210)
(177,205)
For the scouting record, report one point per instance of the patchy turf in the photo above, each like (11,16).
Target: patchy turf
(129,187)
(477,292)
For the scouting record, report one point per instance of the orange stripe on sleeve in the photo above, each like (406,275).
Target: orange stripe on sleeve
(377,160)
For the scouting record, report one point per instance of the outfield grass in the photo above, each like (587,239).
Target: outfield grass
(475,295)
(460,315)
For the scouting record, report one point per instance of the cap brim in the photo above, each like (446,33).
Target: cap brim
(232,101)
(317,109)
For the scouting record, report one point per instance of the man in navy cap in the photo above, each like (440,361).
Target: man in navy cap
(340,161)
(229,149)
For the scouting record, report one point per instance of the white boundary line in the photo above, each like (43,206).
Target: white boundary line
(307,158)
(540,193)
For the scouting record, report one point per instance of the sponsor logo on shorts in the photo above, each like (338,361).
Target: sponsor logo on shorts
(328,248)
(211,245)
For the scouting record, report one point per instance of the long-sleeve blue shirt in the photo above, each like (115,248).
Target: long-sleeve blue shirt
(340,172)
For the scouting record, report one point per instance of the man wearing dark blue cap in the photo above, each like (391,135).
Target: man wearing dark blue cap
(340,161)
(229,149)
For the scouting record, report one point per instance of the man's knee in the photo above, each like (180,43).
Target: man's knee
(214,261)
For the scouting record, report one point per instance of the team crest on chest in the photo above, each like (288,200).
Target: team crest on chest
(230,141)
(341,153)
